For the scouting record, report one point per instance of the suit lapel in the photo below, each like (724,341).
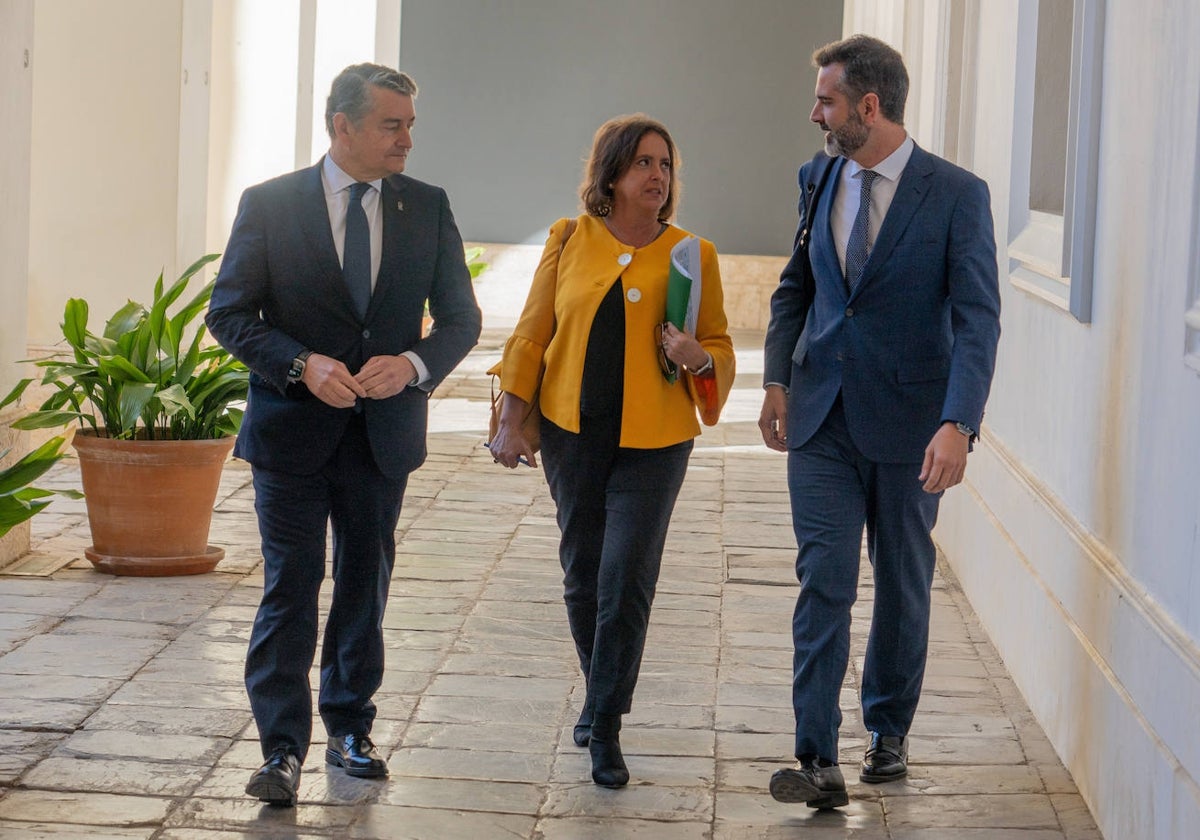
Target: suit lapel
(914,183)
(823,251)
(314,221)
(397,236)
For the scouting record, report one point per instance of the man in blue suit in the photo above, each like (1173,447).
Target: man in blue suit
(879,357)
(321,293)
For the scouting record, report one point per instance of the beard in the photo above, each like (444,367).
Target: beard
(847,138)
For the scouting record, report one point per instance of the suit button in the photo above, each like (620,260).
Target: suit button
(366,333)
(840,357)
(849,311)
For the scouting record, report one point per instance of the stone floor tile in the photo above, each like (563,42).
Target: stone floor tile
(108,744)
(252,816)
(506,738)
(606,828)
(939,780)
(397,822)
(43,714)
(662,770)
(49,831)
(482,710)
(464,795)
(147,692)
(750,719)
(90,808)
(499,687)
(56,653)
(140,778)
(1013,811)
(471,764)
(975,834)
(745,816)
(165,720)
(641,800)
(58,687)
(1074,817)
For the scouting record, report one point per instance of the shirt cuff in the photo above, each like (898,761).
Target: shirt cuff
(422,371)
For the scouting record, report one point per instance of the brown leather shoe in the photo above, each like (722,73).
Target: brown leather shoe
(278,780)
(357,755)
(886,759)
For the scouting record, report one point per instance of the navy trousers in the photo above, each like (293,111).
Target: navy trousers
(614,507)
(835,491)
(362,505)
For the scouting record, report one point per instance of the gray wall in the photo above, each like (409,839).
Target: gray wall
(513,90)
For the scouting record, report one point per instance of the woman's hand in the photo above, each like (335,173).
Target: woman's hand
(509,446)
(683,348)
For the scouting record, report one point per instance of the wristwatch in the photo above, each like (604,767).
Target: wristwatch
(296,371)
(964,429)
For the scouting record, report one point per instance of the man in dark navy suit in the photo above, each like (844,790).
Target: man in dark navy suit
(321,293)
(878,361)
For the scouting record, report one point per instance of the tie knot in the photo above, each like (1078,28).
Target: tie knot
(358,189)
(868,177)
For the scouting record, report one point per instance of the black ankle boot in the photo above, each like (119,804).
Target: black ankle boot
(608,765)
(583,727)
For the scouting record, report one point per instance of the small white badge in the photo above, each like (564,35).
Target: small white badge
(625,259)
(634,295)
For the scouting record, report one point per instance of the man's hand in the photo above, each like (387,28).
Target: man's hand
(385,376)
(945,459)
(772,422)
(330,381)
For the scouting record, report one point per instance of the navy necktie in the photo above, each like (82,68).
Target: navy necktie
(857,246)
(356,259)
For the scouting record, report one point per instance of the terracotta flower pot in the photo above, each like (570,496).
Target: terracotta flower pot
(150,503)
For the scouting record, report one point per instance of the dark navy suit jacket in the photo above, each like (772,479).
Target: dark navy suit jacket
(280,290)
(915,343)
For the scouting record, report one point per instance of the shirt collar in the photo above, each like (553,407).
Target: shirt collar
(337,180)
(892,166)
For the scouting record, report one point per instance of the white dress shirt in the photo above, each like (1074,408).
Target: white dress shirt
(337,200)
(849,191)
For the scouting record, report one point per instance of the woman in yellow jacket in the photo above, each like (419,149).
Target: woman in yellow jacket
(616,430)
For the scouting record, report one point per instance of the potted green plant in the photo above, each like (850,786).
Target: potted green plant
(157,409)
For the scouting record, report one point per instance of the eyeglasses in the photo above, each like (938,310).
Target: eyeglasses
(669,368)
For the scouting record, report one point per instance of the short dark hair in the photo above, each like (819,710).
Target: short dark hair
(868,66)
(350,93)
(613,149)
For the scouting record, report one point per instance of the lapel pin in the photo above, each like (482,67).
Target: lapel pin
(399,205)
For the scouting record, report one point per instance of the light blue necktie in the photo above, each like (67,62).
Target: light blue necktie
(857,246)
(356,259)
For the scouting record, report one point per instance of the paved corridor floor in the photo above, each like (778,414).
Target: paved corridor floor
(122,712)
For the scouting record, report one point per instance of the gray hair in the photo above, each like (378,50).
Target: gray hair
(868,66)
(350,93)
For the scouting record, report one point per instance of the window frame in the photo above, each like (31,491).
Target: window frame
(1051,257)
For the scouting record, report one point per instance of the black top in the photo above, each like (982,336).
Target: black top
(603,386)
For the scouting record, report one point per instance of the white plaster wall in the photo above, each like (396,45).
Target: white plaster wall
(16,101)
(1076,533)
(105,156)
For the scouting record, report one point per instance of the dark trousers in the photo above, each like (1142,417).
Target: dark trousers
(363,506)
(614,506)
(835,491)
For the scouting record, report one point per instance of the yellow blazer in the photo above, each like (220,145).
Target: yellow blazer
(550,340)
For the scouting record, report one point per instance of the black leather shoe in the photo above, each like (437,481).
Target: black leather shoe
(357,755)
(277,780)
(817,787)
(886,759)
(583,728)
